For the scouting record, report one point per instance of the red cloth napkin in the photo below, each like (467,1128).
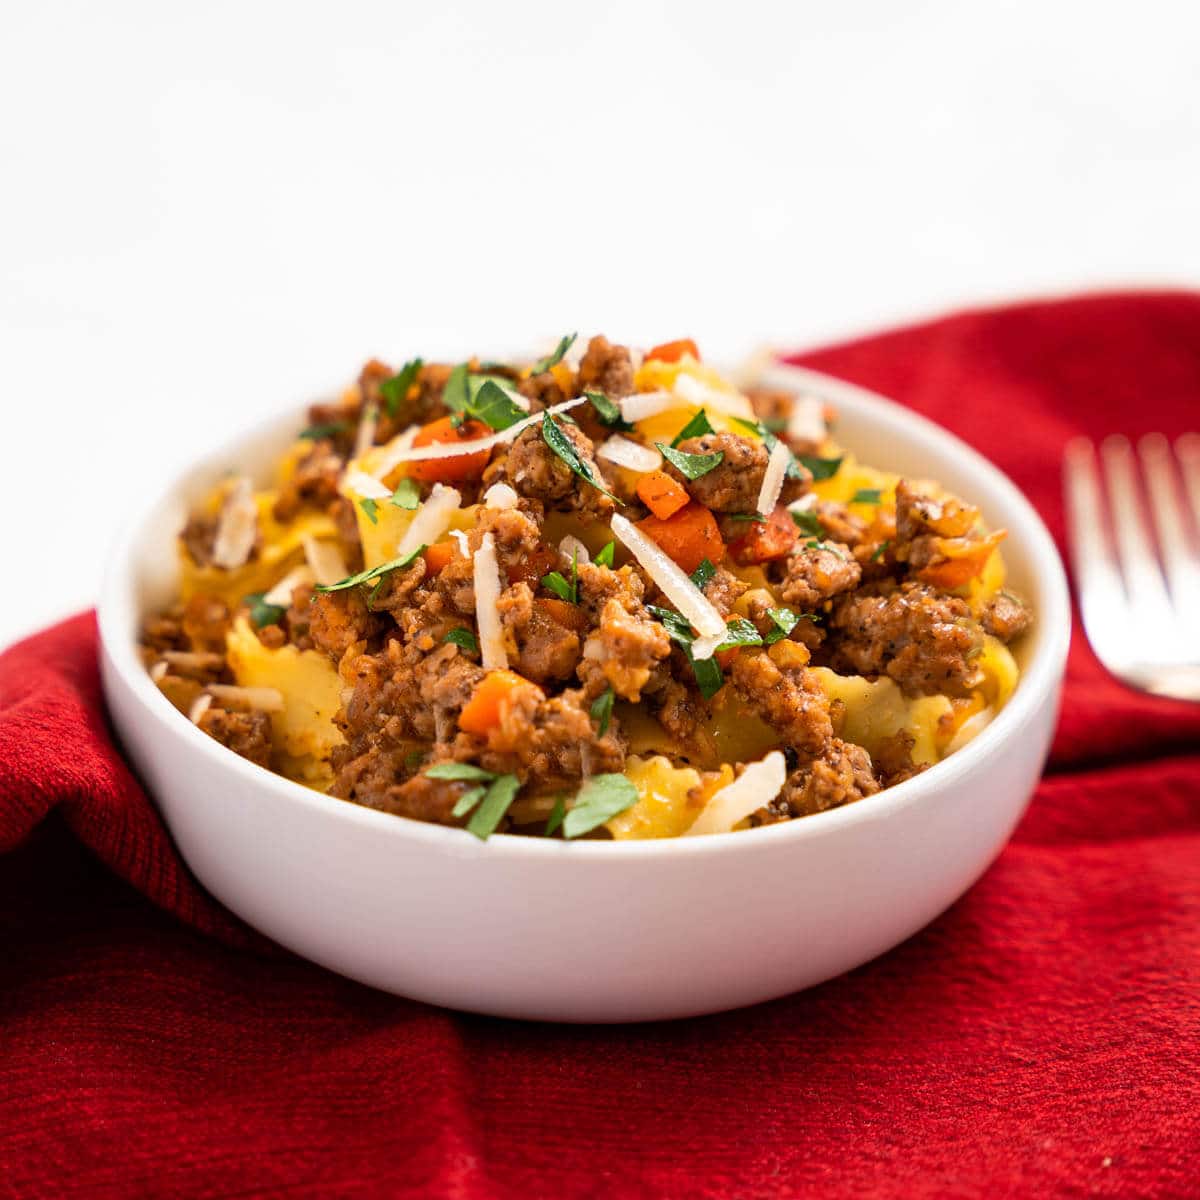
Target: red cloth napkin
(1040,1038)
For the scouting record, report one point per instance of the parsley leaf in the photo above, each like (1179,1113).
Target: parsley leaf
(454,772)
(556,816)
(490,813)
(262,613)
(464,639)
(600,799)
(605,557)
(880,550)
(867,496)
(821,468)
(562,445)
(326,429)
(371,508)
(692,466)
(407,494)
(821,544)
(601,710)
(374,573)
(706,670)
(696,427)
(708,675)
(608,412)
(741,633)
(552,360)
(456,394)
(395,390)
(555,583)
(492,403)
(808,522)
(785,621)
(748,517)
(703,575)
(468,800)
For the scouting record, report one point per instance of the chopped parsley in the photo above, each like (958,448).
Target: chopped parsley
(560,587)
(371,508)
(741,632)
(493,795)
(608,412)
(464,639)
(784,621)
(820,544)
(808,522)
(407,494)
(374,573)
(867,496)
(326,429)
(692,466)
(492,402)
(821,468)
(698,426)
(600,799)
(601,710)
(556,816)
(456,394)
(454,772)
(748,517)
(468,800)
(703,575)
(262,613)
(558,441)
(708,674)
(880,551)
(605,557)
(553,359)
(395,390)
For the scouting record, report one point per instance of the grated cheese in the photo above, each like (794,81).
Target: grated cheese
(773,477)
(367,486)
(807,503)
(627,453)
(266,699)
(461,539)
(393,452)
(281,594)
(705,647)
(500,495)
(757,785)
(572,548)
(807,420)
(487,596)
(676,586)
(646,404)
(691,390)
(158,671)
(200,706)
(431,519)
(325,561)
(237,527)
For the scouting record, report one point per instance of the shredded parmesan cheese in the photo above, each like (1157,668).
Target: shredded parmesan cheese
(200,706)
(281,594)
(773,476)
(394,452)
(807,420)
(675,585)
(487,596)
(365,438)
(807,503)
(705,647)
(572,548)
(757,785)
(158,671)
(627,453)
(461,539)
(646,404)
(362,484)
(500,495)
(266,699)
(192,660)
(691,390)
(237,527)
(431,519)
(325,561)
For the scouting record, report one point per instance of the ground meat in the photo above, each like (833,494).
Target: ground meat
(733,485)
(818,573)
(1005,617)
(785,694)
(622,651)
(535,471)
(245,733)
(542,391)
(925,641)
(839,523)
(165,632)
(723,590)
(892,759)
(198,538)
(917,514)
(376,783)
(840,775)
(606,368)
(539,647)
(313,483)
(339,620)
(206,621)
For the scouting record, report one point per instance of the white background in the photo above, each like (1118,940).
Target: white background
(210,211)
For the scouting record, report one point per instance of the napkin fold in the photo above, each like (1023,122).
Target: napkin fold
(1039,1038)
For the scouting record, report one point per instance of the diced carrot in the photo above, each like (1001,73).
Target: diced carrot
(562,612)
(494,695)
(689,537)
(438,556)
(766,540)
(661,494)
(449,470)
(959,560)
(674,351)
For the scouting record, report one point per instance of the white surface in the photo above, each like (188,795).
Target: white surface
(211,211)
(599,931)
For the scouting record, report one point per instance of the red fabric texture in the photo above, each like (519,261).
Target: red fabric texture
(1040,1038)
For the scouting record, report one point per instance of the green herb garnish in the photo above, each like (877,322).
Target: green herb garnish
(808,522)
(784,620)
(371,508)
(821,544)
(456,394)
(552,360)
(748,517)
(407,494)
(703,575)
(867,496)
(395,390)
(262,613)
(741,633)
(601,710)
(698,426)
(880,550)
(374,573)
(556,816)
(605,557)
(821,468)
(706,670)
(555,583)
(468,800)
(454,772)
(600,799)
(464,639)
(496,801)
(327,429)
(558,441)
(608,412)
(692,466)
(492,403)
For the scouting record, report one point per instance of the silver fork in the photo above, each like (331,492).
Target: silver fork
(1139,595)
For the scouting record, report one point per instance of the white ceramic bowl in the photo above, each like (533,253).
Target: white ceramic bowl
(594,931)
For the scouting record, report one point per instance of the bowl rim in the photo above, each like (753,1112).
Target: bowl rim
(1039,679)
